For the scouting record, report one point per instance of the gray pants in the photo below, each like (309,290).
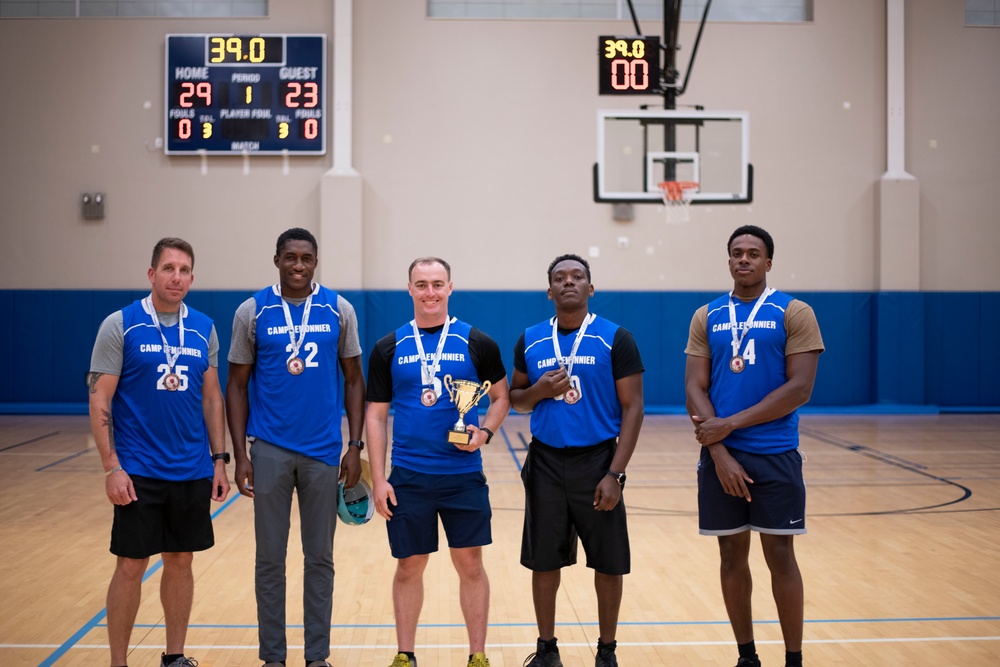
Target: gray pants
(276,473)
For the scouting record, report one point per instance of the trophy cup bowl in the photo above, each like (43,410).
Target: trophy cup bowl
(464,394)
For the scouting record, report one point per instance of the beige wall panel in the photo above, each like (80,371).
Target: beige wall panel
(475,141)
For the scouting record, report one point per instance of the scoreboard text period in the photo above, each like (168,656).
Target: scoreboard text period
(235,94)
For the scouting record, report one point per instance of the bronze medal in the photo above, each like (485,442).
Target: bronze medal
(295,366)
(428,397)
(572,395)
(736,364)
(172,382)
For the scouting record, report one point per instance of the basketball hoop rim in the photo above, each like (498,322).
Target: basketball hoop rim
(677,191)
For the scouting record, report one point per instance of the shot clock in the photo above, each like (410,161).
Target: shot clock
(236,94)
(628,65)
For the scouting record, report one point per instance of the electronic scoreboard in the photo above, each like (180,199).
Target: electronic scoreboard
(236,94)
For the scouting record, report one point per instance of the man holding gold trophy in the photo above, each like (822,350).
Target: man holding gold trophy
(433,370)
(581,378)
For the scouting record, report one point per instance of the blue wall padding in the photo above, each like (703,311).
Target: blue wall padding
(906,348)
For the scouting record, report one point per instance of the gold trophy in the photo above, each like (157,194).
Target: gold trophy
(464,394)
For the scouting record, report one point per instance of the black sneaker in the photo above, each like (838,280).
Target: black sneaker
(606,655)
(179,662)
(749,662)
(543,658)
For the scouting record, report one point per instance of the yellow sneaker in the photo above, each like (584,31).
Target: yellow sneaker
(479,659)
(402,660)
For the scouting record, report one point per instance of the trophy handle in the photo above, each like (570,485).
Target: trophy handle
(449,385)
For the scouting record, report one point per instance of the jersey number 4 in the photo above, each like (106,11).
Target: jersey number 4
(749,356)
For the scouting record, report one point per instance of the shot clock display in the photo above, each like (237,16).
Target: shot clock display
(629,65)
(235,94)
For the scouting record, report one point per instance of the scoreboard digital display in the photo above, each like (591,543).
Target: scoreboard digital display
(628,66)
(237,94)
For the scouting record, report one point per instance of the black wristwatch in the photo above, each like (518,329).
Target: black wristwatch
(620,476)
(224,456)
(360,444)
(489,434)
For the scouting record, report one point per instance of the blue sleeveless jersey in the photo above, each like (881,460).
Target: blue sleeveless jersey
(158,433)
(420,433)
(300,413)
(763,350)
(597,416)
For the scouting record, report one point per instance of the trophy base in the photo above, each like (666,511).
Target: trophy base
(459,437)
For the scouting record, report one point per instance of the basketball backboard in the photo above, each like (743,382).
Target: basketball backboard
(637,149)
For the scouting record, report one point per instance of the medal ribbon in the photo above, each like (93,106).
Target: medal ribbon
(171,358)
(429,371)
(296,344)
(738,339)
(576,342)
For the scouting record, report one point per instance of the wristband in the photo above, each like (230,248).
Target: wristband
(113,471)
(360,444)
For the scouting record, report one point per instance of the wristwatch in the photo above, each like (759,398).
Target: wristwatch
(619,476)
(224,456)
(360,444)
(489,434)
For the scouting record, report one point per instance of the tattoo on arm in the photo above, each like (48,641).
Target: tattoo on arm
(110,423)
(94,377)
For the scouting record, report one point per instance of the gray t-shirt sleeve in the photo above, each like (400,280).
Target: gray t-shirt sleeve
(110,346)
(350,342)
(213,348)
(242,349)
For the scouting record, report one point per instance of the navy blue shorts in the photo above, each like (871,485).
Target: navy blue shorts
(778,495)
(559,484)
(462,501)
(167,517)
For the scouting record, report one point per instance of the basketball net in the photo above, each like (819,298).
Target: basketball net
(677,199)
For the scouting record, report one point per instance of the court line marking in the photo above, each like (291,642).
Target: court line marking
(62,649)
(28,442)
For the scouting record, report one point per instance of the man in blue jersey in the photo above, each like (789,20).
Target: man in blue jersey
(752,357)
(581,378)
(432,477)
(156,412)
(296,340)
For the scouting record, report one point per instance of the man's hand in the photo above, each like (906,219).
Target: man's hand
(710,430)
(220,483)
(244,476)
(607,494)
(118,486)
(350,467)
(731,474)
(477,439)
(383,494)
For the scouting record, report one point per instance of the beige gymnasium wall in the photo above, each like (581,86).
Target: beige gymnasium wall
(474,140)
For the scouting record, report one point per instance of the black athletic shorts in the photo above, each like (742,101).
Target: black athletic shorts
(167,517)
(778,495)
(559,485)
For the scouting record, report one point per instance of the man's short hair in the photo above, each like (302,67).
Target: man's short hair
(295,234)
(563,258)
(752,230)
(171,242)
(428,260)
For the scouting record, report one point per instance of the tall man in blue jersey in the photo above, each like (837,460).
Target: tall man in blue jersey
(581,378)
(156,412)
(752,357)
(294,339)
(431,477)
